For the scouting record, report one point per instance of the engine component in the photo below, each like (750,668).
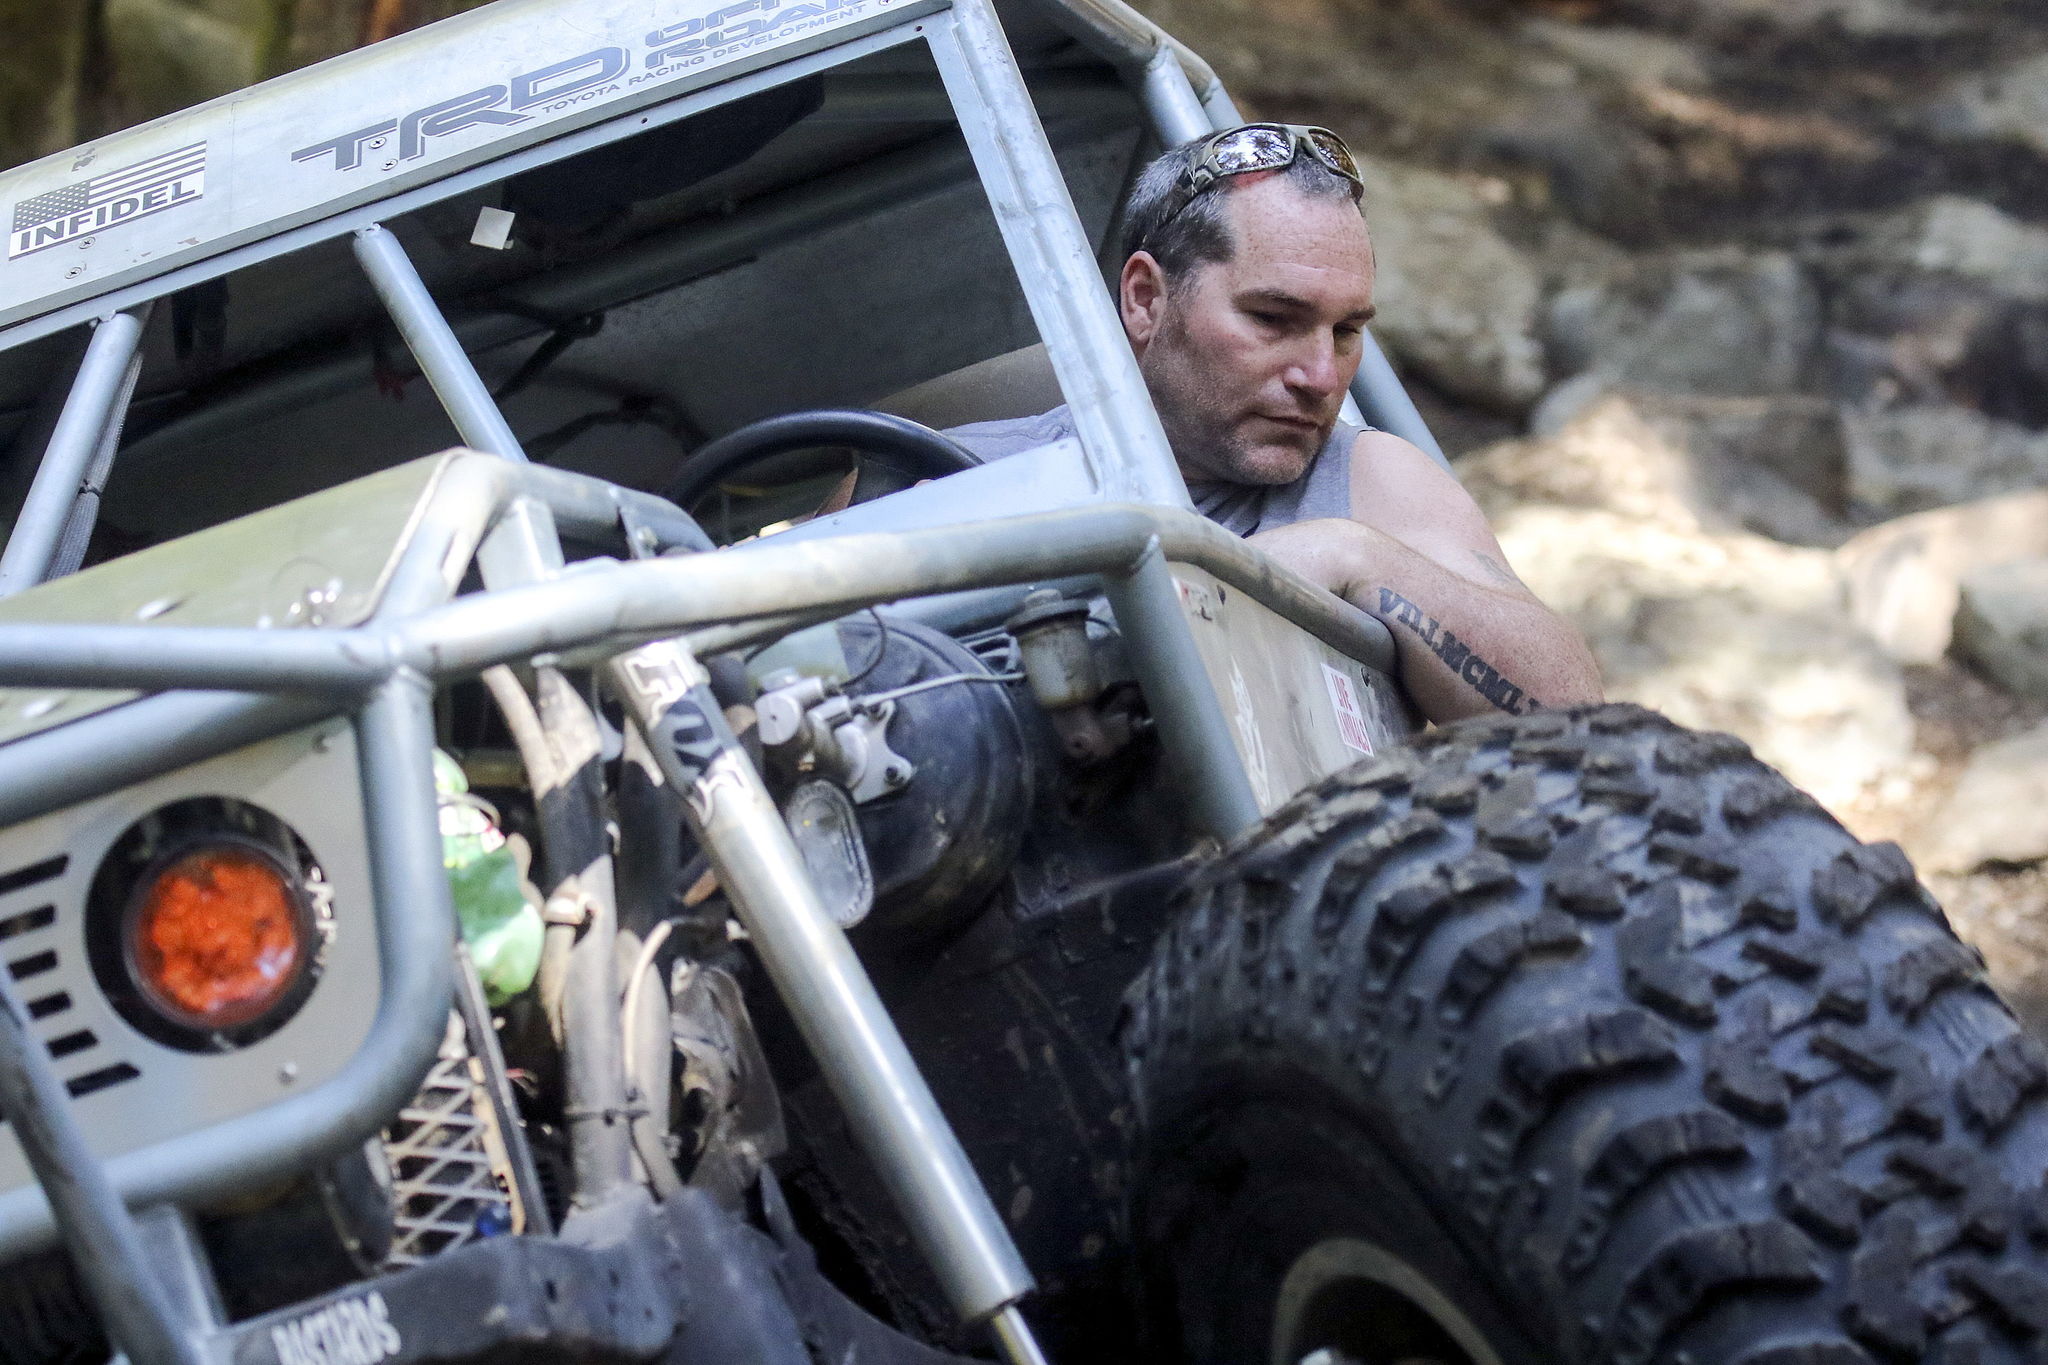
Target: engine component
(813,727)
(822,820)
(726,1103)
(942,843)
(1059,663)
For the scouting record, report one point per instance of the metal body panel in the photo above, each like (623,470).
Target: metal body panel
(321,561)
(375,122)
(1299,710)
(307,779)
(1053,476)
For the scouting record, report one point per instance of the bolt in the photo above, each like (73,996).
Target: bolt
(74,272)
(287,1073)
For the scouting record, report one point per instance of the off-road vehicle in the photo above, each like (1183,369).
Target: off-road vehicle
(550,900)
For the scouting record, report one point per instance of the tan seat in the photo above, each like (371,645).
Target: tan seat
(1017,384)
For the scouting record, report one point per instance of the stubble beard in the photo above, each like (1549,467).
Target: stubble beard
(1206,433)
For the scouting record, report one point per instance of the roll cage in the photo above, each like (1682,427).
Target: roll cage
(155,217)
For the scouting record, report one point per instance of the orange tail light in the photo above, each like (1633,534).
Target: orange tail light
(217,937)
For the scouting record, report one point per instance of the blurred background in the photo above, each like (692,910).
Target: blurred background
(1734,314)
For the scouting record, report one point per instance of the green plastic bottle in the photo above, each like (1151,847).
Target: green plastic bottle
(499,915)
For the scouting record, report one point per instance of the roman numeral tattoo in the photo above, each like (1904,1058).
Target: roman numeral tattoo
(1481,676)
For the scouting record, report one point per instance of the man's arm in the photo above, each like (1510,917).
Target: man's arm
(1419,555)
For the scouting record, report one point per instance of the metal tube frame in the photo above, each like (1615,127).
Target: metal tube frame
(394,659)
(890,1108)
(95,405)
(1098,375)
(415,949)
(387,669)
(433,344)
(624,602)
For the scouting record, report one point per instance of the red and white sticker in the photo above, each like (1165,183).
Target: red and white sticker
(1350,716)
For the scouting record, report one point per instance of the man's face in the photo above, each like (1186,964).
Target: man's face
(1248,360)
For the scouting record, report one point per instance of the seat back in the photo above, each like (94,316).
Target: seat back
(1017,384)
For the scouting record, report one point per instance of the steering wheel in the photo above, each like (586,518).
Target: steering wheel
(896,443)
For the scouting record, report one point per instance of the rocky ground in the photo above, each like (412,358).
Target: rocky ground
(1735,315)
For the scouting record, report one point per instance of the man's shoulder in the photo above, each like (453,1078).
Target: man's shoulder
(1014,435)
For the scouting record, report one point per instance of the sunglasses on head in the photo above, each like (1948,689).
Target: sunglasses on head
(1262,147)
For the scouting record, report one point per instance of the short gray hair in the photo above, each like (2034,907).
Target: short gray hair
(1200,233)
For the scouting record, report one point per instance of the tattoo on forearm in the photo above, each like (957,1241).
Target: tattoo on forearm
(1498,571)
(1481,676)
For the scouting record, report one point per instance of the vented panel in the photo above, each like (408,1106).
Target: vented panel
(450,1178)
(133,1091)
(34,956)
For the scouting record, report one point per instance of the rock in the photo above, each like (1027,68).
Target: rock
(1625,54)
(1616,521)
(1718,322)
(1860,18)
(1998,812)
(1916,456)
(1458,303)
(1903,578)
(1945,301)
(2002,624)
(1727,632)
(1771,465)
(1605,456)
(2011,102)
(1967,238)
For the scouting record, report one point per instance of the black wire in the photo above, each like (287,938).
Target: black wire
(881,651)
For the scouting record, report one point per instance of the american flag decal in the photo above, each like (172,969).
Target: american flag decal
(121,196)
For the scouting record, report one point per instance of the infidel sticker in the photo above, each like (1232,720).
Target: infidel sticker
(107,200)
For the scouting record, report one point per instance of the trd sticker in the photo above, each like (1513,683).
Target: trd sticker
(582,79)
(1350,716)
(349,1332)
(107,200)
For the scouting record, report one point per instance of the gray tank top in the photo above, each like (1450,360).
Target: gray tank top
(1324,491)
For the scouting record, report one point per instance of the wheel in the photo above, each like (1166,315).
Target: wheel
(1579,1037)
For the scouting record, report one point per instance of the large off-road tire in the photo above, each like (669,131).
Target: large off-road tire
(1580,1037)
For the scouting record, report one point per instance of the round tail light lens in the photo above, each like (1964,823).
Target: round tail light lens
(218,936)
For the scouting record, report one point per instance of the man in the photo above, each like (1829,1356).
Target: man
(1246,289)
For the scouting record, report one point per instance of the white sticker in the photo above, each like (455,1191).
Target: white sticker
(348,1332)
(1350,716)
(1256,765)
